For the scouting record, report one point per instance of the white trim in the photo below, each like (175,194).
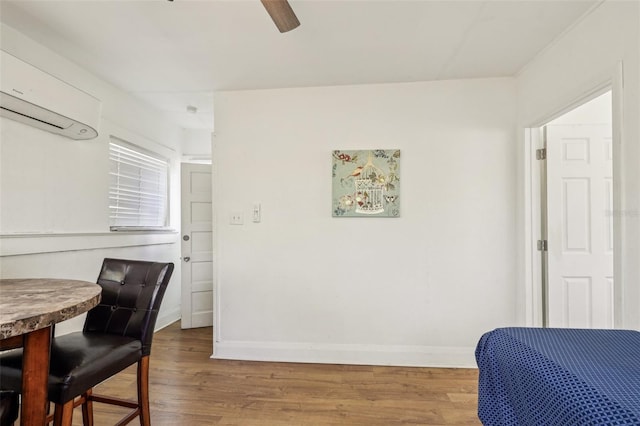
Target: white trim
(617,93)
(537,311)
(167,318)
(197,159)
(532,229)
(217,323)
(613,81)
(584,94)
(22,244)
(405,356)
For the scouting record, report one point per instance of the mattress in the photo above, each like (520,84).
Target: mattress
(553,376)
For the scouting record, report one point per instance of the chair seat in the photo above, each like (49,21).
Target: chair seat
(79,361)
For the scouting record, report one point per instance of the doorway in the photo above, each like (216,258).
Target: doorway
(576,208)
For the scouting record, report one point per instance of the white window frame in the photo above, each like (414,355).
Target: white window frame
(138,188)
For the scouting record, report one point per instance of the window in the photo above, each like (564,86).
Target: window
(138,188)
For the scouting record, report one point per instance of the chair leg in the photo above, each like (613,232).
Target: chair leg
(87,408)
(63,414)
(143,391)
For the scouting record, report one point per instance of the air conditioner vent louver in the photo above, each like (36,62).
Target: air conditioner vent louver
(35,98)
(15,106)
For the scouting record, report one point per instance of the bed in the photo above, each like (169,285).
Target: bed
(554,376)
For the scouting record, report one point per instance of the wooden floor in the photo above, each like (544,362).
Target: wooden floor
(188,388)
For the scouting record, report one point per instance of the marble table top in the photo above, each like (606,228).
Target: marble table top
(31,304)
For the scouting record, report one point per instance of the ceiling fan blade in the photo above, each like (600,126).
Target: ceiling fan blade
(282,14)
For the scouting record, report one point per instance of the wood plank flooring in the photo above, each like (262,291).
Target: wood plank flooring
(188,388)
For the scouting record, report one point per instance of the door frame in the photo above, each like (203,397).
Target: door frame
(534,228)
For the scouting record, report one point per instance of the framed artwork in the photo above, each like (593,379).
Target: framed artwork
(366,183)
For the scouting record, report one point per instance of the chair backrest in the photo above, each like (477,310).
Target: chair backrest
(132,291)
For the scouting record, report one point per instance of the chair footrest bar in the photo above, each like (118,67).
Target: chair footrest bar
(113,401)
(129,418)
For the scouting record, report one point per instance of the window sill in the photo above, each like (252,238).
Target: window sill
(141,229)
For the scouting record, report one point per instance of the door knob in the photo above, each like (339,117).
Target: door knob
(186,238)
(186,258)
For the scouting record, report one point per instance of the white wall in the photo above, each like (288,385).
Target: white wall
(584,59)
(196,145)
(415,290)
(54,191)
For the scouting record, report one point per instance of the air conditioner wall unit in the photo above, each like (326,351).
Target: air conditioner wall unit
(31,96)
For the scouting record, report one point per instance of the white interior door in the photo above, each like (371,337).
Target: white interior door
(197,246)
(580,226)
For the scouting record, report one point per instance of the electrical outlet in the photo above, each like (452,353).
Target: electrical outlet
(237,218)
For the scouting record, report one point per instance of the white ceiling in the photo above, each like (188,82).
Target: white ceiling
(174,54)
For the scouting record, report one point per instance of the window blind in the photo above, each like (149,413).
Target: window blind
(138,187)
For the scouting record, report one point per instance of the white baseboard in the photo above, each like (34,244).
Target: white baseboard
(167,318)
(409,356)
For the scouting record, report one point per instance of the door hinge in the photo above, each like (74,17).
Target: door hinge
(541,154)
(542,245)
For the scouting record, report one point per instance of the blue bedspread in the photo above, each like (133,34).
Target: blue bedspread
(553,376)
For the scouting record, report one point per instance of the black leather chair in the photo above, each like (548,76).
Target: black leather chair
(8,407)
(117,334)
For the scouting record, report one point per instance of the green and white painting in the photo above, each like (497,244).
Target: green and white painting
(366,183)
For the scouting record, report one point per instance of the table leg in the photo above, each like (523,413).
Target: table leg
(35,374)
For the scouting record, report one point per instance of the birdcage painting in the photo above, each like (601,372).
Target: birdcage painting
(366,183)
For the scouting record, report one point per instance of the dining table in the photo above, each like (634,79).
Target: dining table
(29,308)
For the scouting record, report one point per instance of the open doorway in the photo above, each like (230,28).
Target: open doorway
(197,252)
(576,204)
